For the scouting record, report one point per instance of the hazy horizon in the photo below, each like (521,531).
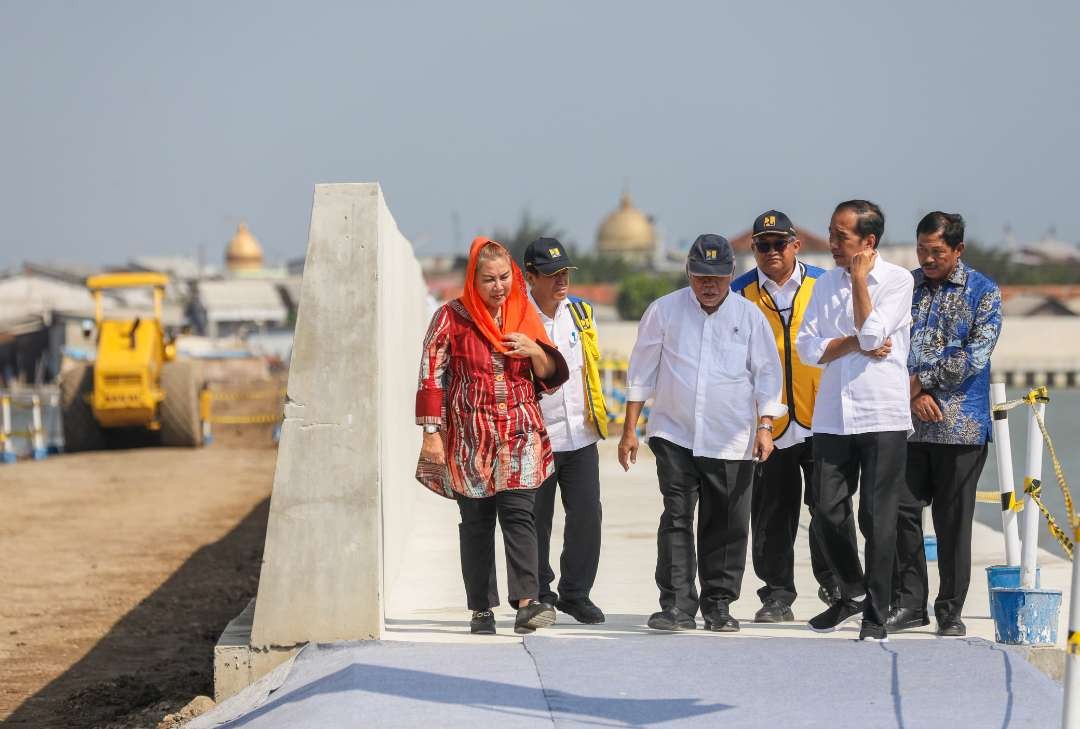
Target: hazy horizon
(151,129)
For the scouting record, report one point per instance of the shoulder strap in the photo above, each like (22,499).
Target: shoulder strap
(581,313)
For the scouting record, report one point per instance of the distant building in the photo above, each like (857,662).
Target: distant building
(628,234)
(1047,250)
(244,253)
(1040,300)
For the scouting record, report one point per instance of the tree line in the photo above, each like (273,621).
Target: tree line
(637,288)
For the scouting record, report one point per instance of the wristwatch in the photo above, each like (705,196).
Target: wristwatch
(431,429)
(765,426)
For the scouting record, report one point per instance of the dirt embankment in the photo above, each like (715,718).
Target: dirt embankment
(120,570)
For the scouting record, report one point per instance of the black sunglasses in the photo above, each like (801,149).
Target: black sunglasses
(764,246)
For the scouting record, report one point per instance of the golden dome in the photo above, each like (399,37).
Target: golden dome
(244,252)
(626,230)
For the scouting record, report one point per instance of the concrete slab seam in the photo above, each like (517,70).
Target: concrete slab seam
(540,679)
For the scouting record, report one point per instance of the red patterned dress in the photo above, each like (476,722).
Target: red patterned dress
(488,406)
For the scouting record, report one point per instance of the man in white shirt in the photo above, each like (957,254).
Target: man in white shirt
(576,418)
(858,328)
(781,286)
(709,362)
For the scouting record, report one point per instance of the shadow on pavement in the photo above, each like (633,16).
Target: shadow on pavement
(360,679)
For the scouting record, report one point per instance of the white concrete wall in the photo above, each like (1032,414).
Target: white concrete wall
(403,321)
(348,444)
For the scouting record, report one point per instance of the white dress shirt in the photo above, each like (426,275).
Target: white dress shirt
(858,393)
(783,297)
(710,375)
(564,409)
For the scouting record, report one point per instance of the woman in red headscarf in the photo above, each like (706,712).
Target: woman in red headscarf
(486,358)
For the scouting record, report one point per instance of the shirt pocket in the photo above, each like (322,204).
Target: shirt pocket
(730,361)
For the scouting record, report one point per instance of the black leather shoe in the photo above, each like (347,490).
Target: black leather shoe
(583,610)
(951,626)
(829,595)
(873,632)
(482,623)
(532,616)
(774,611)
(719,620)
(902,618)
(673,619)
(839,613)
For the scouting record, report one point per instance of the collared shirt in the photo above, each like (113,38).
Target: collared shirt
(564,409)
(859,393)
(711,375)
(953,332)
(784,297)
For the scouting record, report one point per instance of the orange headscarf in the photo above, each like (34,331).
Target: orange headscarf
(518,313)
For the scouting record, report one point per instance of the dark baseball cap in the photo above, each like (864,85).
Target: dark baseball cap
(773,221)
(711,255)
(547,256)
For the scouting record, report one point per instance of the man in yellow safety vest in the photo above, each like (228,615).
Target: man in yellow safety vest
(576,418)
(781,286)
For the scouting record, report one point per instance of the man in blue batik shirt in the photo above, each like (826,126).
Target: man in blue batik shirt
(956,320)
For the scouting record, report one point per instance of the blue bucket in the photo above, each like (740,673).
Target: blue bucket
(929,545)
(1025,617)
(1004,575)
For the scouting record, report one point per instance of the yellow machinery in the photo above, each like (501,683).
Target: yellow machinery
(136,386)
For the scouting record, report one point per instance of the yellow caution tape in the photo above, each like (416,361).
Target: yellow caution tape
(264,419)
(1033,488)
(1007,501)
(1035,397)
(1059,472)
(1039,394)
(250,395)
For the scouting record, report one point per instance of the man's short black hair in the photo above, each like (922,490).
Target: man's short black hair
(869,218)
(950,225)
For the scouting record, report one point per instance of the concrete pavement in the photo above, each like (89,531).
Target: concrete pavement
(428,596)
(429,670)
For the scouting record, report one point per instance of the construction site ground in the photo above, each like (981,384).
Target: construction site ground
(119,571)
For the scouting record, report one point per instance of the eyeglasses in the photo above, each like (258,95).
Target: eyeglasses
(764,246)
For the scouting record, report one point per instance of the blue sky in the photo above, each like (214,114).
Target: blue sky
(154,128)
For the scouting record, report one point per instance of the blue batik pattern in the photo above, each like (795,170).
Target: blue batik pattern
(954,329)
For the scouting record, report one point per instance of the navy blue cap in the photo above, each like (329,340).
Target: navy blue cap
(711,255)
(547,256)
(773,221)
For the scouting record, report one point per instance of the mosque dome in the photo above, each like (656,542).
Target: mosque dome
(244,252)
(627,230)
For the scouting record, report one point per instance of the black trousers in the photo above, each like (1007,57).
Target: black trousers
(723,488)
(944,477)
(577,474)
(775,509)
(840,463)
(476,532)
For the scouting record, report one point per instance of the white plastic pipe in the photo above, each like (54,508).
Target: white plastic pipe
(5,426)
(1070,718)
(38,428)
(1029,554)
(1006,484)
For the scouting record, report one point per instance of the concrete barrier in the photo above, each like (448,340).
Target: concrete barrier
(339,514)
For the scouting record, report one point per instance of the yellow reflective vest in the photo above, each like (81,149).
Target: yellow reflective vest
(801,381)
(595,409)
